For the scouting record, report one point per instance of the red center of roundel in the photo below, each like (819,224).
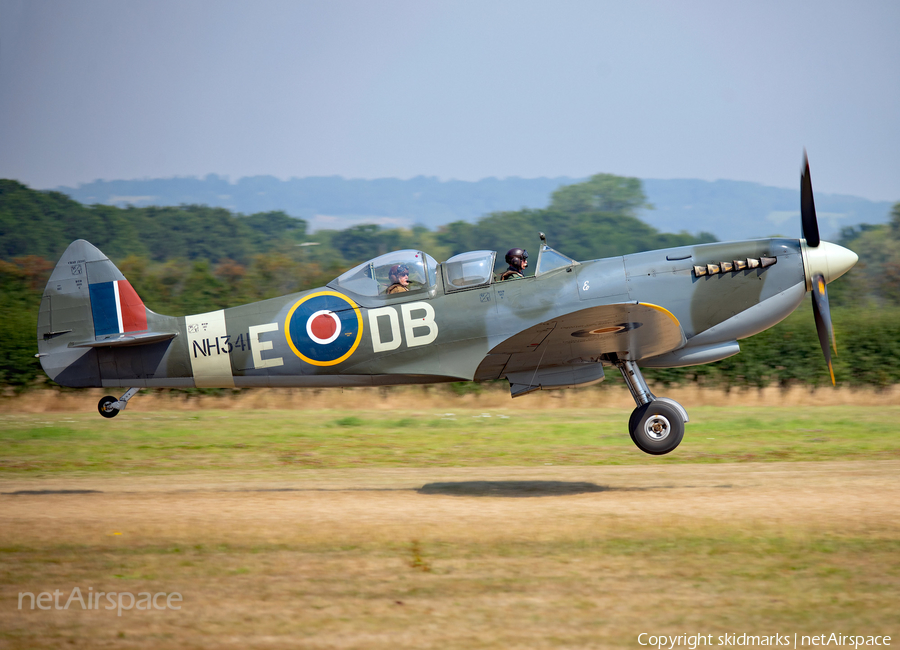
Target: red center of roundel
(323,326)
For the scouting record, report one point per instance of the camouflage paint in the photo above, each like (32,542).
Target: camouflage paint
(425,336)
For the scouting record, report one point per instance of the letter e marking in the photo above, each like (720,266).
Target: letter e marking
(257,347)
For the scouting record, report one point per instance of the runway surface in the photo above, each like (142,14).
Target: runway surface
(445,503)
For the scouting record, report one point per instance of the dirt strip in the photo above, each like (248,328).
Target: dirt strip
(467,503)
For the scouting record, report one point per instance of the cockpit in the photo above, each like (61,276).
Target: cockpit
(378,278)
(469,270)
(374,278)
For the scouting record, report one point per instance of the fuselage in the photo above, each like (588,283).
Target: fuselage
(335,336)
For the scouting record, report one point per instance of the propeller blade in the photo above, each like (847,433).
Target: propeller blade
(822,314)
(808,223)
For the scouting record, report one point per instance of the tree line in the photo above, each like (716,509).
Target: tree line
(190,259)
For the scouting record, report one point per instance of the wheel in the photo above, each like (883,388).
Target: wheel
(656,428)
(105,407)
(634,416)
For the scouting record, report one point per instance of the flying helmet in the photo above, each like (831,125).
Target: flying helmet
(515,256)
(397,270)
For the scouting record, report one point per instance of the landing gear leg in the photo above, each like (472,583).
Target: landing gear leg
(109,406)
(657,424)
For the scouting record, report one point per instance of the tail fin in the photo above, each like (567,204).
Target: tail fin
(87,304)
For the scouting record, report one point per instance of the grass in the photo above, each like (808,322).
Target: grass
(569,592)
(246,439)
(314,528)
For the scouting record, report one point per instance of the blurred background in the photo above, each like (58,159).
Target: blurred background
(222,152)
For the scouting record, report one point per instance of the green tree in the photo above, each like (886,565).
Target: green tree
(272,226)
(45,223)
(875,280)
(895,221)
(601,193)
(456,237)
(359,243)
(21,284)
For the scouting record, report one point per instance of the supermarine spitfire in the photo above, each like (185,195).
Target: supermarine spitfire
(556,329)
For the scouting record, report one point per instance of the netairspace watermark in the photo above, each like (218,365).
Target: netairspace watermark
(694,641)
(115,600)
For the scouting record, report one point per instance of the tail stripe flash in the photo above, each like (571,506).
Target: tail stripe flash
(116,308)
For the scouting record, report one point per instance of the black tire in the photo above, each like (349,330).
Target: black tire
(631,421)
(105,409)
(656,428)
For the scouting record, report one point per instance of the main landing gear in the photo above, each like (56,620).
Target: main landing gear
(657,424)
(109,406)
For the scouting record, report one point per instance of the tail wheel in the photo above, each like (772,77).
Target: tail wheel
(656,428)
(106,407)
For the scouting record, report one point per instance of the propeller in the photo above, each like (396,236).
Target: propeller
(810,228)
(808,224)
(822,314)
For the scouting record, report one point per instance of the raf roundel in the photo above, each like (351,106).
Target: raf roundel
(324,328)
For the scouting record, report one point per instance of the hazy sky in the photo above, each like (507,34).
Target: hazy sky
(455,89)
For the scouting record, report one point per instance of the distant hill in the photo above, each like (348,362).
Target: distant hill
(41,224)
(333,202)
(742,210)
(727,209)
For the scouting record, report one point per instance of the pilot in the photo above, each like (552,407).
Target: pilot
(399,277)
(517,258)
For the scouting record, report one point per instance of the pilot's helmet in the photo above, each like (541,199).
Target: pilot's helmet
(515,256)
(397,270)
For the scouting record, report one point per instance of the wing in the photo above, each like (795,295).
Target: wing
(565,351)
